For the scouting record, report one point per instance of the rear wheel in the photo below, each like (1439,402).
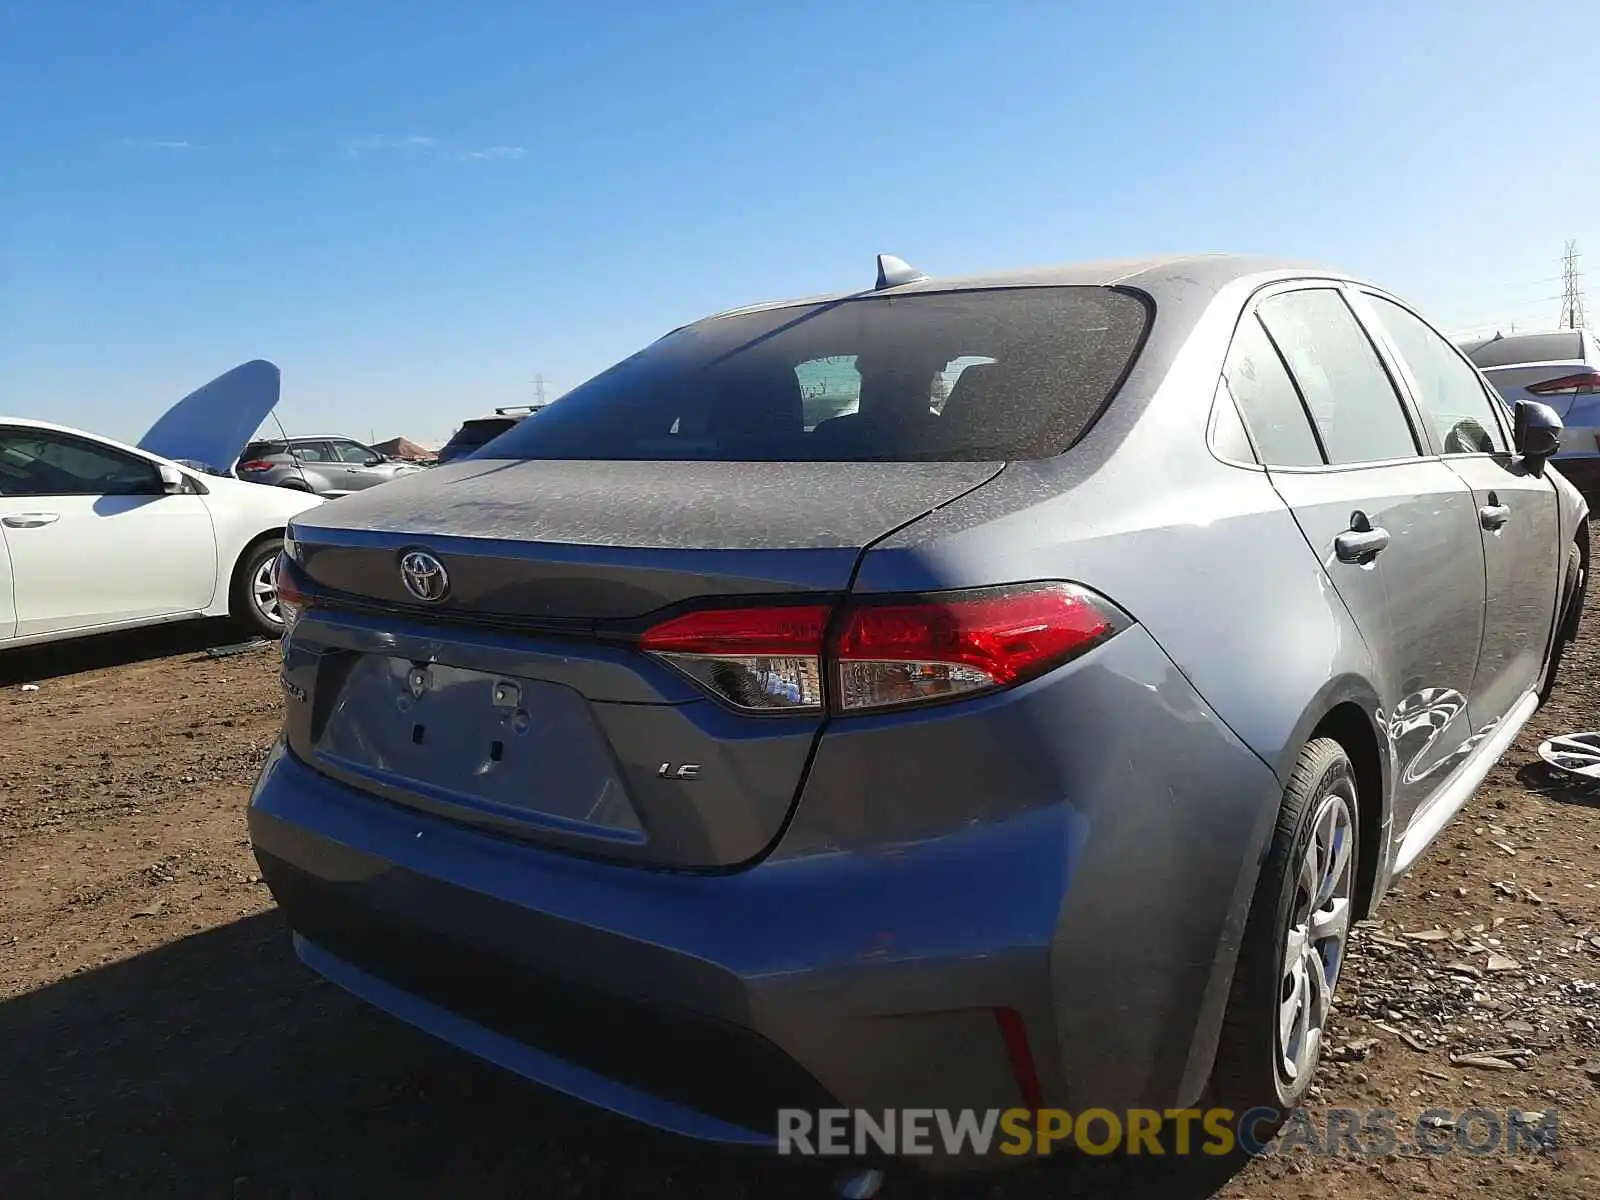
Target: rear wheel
(296,485)
(1295,939)
(1573,586)
(255,592)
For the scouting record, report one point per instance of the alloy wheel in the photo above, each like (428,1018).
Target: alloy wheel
(264,592)
(1319,925)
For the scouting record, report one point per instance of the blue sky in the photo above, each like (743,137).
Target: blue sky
(415,208)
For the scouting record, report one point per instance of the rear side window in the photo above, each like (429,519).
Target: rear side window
(1449,392)
(1009,373)
(1527,348)
(1267,400)
(1356,409)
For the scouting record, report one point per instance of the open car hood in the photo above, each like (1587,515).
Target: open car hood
(212,424)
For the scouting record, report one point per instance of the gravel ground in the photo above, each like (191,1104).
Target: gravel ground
(157,1037)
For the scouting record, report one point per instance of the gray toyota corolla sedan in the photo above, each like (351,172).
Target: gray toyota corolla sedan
(960,693)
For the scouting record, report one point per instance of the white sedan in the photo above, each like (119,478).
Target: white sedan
(97,536)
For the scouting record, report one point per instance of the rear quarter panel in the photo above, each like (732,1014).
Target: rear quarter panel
(1219,574)
(242,513)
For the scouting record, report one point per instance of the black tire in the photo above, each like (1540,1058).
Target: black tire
(295,485)
(1250,1052)
(243,606)
(1573,586)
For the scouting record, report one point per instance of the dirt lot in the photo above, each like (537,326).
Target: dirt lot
(157,1037)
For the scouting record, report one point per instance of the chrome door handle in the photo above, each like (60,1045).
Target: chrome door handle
(1360,545)
(29,520)
(1493,516)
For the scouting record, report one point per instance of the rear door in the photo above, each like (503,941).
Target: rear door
(1395,531)
(94,538)
(1518,518)
(315,462)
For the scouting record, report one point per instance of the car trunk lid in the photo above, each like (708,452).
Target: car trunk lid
(518,700)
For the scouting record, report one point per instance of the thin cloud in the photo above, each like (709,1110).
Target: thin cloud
(169,144)
(498,152)
(383,141)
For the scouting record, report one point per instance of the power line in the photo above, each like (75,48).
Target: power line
(1571,293)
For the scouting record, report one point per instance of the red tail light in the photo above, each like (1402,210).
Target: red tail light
(755,658)
(1585,383)
(891,654)
(255,464)
(884,652)
(293,599)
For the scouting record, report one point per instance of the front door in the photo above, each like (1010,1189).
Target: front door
(93,537)
(1395,531)
(360,467)
(8,615)
(1519,522)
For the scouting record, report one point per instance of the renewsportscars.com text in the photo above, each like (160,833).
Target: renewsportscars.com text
(1347,1132)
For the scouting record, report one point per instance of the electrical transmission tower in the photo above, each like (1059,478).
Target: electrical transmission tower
(538,390)
(1571,293)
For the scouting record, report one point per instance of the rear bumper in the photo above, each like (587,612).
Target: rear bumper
(697,1004)
(855,966)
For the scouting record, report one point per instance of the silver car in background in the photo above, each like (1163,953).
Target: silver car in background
(953,693)
(1561,369)
(328,466)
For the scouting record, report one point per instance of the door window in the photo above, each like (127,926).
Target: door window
(1449,392)
(41,463)
(1358,413)
(354,454)
(1268,401)
(319,452)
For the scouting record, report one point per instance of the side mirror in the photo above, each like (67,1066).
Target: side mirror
(171,479)
(1535,432)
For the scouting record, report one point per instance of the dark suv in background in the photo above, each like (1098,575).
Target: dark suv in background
(480,431)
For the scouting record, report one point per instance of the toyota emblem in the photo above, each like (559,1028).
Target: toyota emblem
(424,576)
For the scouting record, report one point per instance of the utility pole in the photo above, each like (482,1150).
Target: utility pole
(1571,293)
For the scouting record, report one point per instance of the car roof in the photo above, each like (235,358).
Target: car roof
(1150,273)
(53,427)
(307,437)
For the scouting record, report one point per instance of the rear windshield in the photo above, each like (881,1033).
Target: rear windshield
(264,449)
(1527,348)
(1015,373)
